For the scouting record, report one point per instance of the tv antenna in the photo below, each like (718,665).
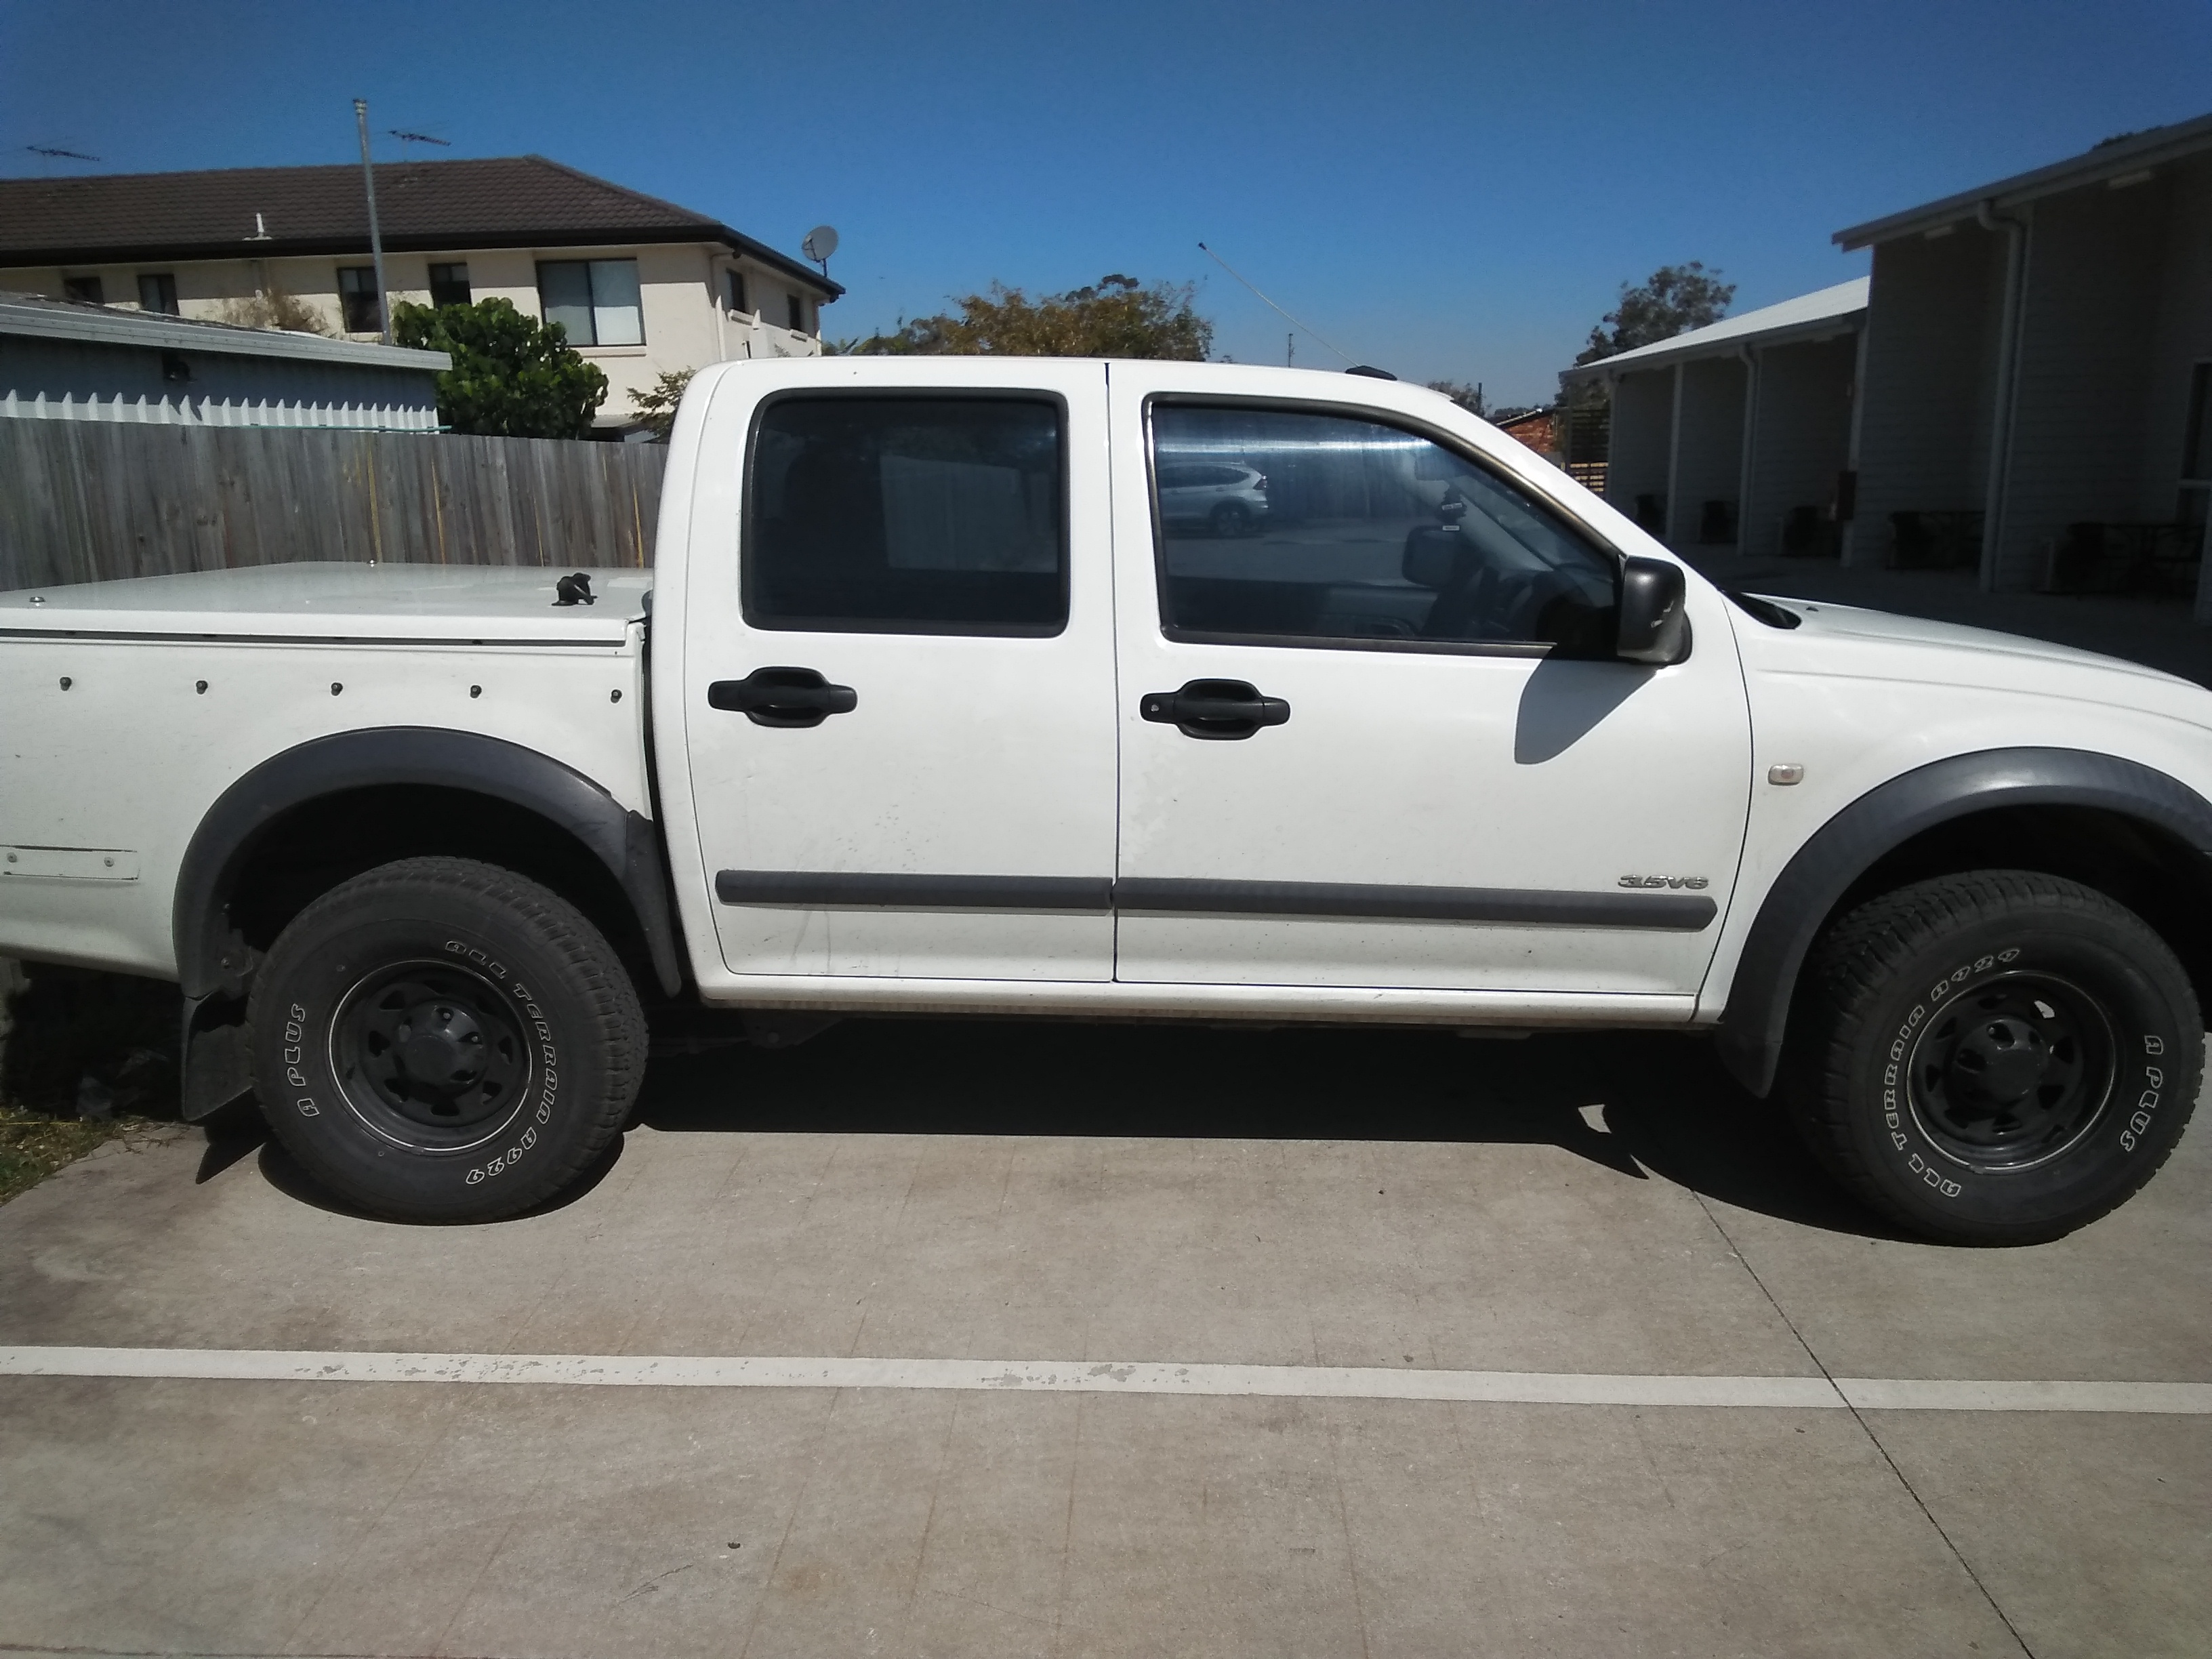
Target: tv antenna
(407,137)
(1264,300)
(821,242)
(56,153)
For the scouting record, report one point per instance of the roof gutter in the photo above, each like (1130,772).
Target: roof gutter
(149,330)
(1636,362)
(278,247)
(2101,166)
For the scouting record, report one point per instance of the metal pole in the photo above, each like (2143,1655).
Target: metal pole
(375,239)
(2009,328)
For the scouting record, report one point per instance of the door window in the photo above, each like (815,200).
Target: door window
(907,515)
(1284,525)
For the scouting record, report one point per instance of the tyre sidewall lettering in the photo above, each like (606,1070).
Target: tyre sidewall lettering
(295,1032)
(2139,1085)
(548,1057)
(309,1093)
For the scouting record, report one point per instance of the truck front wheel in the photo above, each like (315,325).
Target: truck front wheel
(440,1039)
(1995,1058)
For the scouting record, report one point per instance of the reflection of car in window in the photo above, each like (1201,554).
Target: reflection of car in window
(1374,531)
(1230,499)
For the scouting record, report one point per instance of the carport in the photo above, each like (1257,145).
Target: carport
(2038,375)
(1737,436)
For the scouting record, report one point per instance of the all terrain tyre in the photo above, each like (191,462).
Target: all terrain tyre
(440,1039)
(1995,1058)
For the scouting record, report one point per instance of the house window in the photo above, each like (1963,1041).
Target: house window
(733,291)
(158,292)
(449,285)
(357,298)
(85,290)
(596,301)
(798,315)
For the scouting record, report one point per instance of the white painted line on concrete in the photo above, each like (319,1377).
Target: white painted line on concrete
(1085,1376)
(1896,1393)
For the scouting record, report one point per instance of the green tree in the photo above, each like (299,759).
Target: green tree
(512,376)
(1117,316)
(655,407)
(1673,299)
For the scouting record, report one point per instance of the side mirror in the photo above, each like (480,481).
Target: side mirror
(1655,619)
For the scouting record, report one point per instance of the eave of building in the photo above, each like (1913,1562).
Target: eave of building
(1819,315)
(2111,163)
(310,247)
(150,330)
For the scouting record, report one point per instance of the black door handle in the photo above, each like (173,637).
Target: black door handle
(1221,709)
(783,696)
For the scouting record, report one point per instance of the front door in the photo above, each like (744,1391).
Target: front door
(899,714)
(1372,731)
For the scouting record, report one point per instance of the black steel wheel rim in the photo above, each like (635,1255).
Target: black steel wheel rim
(2012,1071)
(431,1055)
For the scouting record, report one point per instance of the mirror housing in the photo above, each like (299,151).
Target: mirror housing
(1655,618)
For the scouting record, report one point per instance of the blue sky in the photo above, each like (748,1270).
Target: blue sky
(1444,187)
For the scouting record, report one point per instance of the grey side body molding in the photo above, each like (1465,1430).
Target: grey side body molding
(1751,1031)
(208,967)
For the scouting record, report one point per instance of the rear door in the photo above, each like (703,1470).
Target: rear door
(1374,735)
(899,696)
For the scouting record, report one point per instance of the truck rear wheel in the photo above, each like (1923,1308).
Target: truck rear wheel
(440,1039)
(1995,1058)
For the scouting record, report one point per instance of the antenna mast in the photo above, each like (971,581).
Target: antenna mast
(1286,315)
(375,238)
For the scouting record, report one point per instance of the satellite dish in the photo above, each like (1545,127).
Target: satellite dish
(821,242)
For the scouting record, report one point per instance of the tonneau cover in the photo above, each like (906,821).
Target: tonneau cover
(327,600)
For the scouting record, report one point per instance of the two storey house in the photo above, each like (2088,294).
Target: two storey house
(642,287)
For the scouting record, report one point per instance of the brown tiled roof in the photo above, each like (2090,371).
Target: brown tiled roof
(515,201)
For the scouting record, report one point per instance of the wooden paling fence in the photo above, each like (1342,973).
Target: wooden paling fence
(83,501)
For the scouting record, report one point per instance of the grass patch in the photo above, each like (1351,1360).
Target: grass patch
(90,1058)
(32,1147)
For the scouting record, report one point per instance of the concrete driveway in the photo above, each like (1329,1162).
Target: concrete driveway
(976,1340)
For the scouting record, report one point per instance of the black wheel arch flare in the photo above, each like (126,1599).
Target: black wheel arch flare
(1824,869)
(626,842)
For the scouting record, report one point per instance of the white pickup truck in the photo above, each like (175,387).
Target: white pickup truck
(1102,689)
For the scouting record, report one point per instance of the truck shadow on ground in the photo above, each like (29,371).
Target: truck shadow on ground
(1642,1106)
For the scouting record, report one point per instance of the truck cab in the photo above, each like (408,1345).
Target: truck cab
(1088,757)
